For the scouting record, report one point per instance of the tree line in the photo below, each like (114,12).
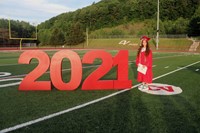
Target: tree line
(176,17)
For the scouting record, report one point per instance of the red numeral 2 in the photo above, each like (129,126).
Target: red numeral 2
(92,82)
(29,83)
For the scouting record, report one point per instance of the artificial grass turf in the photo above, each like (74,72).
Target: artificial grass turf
(134,111)
(31,105)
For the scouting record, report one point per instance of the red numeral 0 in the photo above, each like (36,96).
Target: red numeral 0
(56,70)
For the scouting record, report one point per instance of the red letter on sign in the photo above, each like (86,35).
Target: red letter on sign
(56,70)
(29,82)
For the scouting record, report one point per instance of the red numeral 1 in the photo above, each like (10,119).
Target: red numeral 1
(121,61)
(29,83)
(56,70)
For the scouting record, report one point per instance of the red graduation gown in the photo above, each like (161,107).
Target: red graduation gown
(147,61)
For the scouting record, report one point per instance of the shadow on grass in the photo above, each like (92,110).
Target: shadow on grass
(134,70)
(177,119)
(130,115)
(194,69)
(189,110)
(124,113)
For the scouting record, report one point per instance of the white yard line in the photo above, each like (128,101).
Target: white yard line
(83,105)
(167,67)
(180,67)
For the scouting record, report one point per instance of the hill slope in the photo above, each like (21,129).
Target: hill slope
(69,28)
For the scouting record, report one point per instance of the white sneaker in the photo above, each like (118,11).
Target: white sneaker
(145,87)
(141,87)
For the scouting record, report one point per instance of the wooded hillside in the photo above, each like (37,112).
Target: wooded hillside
(107,17)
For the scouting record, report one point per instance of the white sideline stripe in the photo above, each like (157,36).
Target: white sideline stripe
(83,105)
(79,55)
(180,67)
(176,70)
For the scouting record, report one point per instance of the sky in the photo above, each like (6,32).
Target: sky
(37,11)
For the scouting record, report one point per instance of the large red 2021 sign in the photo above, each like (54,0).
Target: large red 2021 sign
(92,82)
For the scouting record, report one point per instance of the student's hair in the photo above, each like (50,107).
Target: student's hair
(147,48)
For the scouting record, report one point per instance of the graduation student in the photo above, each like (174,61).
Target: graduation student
(144,62)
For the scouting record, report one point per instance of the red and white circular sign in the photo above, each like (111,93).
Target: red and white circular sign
(161,89)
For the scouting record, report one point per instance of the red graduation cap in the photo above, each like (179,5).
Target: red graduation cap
(145,37)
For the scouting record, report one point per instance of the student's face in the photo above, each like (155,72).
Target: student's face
(144,43)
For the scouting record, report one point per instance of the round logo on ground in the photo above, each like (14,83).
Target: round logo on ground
(160,89)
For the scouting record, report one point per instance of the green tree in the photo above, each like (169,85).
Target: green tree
(57,37)
(44,35)
(75,35)
(194,24)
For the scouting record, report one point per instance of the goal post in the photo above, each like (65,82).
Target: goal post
(20,38)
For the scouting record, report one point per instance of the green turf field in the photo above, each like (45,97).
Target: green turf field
(130,111)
